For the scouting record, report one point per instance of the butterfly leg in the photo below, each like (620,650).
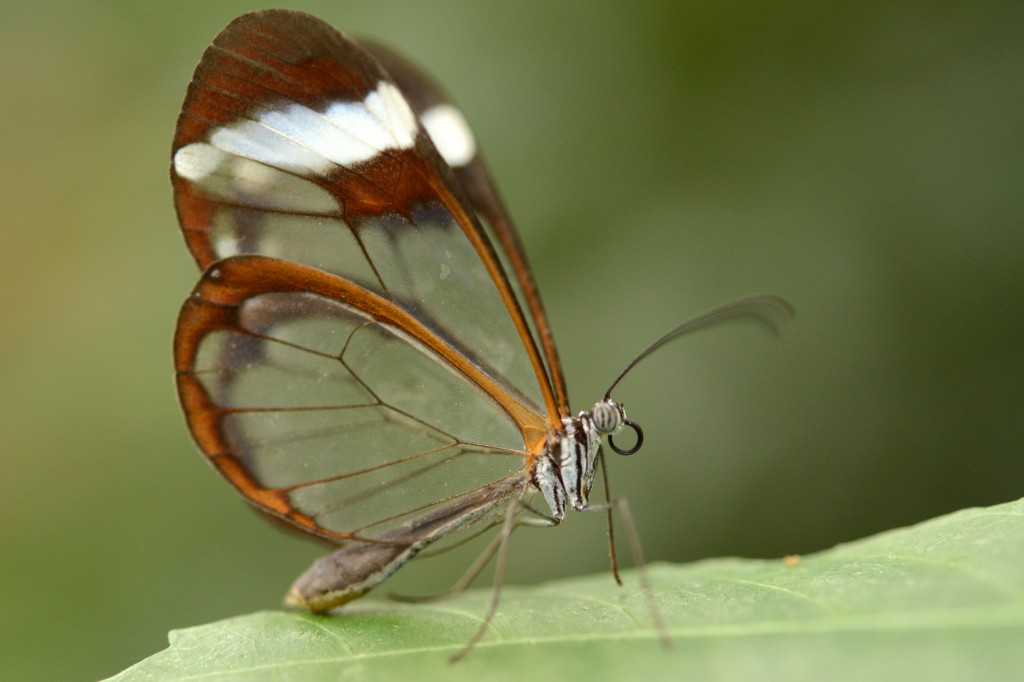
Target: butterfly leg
(621,505)
(463,583)
(501,550)
(611,526)
(460,585)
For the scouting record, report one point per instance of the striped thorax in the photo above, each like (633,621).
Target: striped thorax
(565,470)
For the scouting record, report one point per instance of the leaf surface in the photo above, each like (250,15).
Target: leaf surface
(943,600)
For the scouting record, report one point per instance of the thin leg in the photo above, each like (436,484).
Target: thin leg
(622,506)
(461,584)
(611,527)
(499,577)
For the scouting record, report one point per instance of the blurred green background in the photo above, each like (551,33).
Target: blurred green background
(864,160)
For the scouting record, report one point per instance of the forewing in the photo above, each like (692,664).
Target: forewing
(454,139)
(294,143)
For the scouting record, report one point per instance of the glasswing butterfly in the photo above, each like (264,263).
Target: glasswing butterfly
(366,357)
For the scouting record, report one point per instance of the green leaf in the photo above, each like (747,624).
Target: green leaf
(943,600)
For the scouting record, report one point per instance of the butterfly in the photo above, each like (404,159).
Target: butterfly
(366,357)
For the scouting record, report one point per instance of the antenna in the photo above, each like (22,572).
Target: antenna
(764,309)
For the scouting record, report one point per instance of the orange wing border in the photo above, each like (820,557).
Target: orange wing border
(213,306)
(265,54)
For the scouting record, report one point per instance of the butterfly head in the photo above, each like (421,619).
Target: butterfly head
(609,418)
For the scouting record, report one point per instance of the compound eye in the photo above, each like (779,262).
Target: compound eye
(608,416)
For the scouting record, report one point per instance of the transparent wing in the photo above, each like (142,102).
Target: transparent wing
(294,143)
(354,353)
(451,134)
(330,407)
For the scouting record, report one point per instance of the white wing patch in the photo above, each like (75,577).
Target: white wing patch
(238,180)
(265,160)
(297,139)
(450,133)
(395,115)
